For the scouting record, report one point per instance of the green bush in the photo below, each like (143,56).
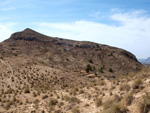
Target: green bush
(101,70)
(88,68)
(110,70)
(90,61)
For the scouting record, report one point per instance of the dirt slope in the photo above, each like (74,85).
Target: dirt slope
(42,74)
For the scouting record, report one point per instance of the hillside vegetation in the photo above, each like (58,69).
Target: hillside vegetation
(41,74)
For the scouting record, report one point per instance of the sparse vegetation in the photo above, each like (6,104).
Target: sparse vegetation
(53,102)
(88,68)
(98,102)
(76,110)
(59,77)
(127,100)
(125,87)
(72,99)
(137,84)
(143,105)
(91,61)
(45,96)
(101,70)
(110,70)
(27,90)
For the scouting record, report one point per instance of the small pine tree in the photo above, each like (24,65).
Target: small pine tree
(110,70)
(101,70)
(90,61)
(88,68)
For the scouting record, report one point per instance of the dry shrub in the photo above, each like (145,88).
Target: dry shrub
(114,105)
(72,99)
(98,102)
(143,106)
(137,84)
(127,100)
(76,110)
(125,87)
(53,102)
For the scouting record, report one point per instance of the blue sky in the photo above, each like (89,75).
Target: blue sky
(121,23)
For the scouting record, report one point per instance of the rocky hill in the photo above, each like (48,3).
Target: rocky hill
(31,46)
(39,72)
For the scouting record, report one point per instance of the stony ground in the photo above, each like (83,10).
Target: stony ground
(38,89)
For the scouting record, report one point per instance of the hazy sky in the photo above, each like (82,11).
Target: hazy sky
(121,23)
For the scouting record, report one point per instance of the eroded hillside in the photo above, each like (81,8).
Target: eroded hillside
(46,74)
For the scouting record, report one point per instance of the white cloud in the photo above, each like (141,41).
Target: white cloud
(132,34)
(6,30)
(5,2)
(8,8)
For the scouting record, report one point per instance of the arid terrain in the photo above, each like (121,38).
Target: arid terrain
(42,74)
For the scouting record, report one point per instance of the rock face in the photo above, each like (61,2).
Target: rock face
(30,47)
